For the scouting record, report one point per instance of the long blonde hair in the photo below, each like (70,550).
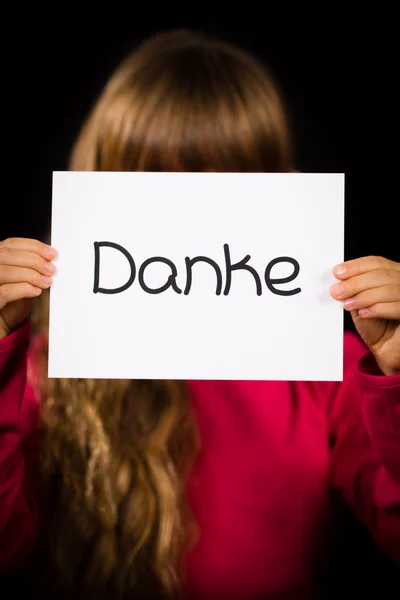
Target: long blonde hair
(117,453)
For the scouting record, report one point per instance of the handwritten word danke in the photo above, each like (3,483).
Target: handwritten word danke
(171,282)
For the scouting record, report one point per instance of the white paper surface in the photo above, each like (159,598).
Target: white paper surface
(199,335)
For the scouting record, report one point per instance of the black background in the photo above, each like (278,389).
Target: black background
(339,82)
(337,79)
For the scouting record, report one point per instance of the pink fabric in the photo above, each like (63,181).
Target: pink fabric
(260,485)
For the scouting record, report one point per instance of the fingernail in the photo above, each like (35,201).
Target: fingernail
(339,270)
(349,302)
(50,268)
(363,311)
(37,290)
(337,290)
(46,280)
(50,252)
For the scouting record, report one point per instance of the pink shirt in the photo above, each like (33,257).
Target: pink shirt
(271,454)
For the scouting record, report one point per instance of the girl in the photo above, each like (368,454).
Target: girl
(150,489)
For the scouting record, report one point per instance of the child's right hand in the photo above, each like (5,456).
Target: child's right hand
(25,271)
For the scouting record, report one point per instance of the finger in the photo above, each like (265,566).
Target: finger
(20,275)
(24,258)
(387,293)
(386,310)
(30,245)
(362,265)
(11,292)
(360,283)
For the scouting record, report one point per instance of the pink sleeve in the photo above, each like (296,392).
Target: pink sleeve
(19,515)
(365,427)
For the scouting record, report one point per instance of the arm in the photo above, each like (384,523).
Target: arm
(364,418)
(19,515)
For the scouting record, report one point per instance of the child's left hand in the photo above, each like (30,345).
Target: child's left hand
(369,288)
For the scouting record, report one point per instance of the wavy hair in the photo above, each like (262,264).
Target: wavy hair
(117,453)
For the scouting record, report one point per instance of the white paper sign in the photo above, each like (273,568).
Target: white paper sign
(196,276)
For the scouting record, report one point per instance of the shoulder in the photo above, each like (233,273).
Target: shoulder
(36,382)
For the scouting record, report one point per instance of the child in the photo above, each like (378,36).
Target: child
(145,489)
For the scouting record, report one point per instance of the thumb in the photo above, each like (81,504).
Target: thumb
(370,330)
(14,314)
